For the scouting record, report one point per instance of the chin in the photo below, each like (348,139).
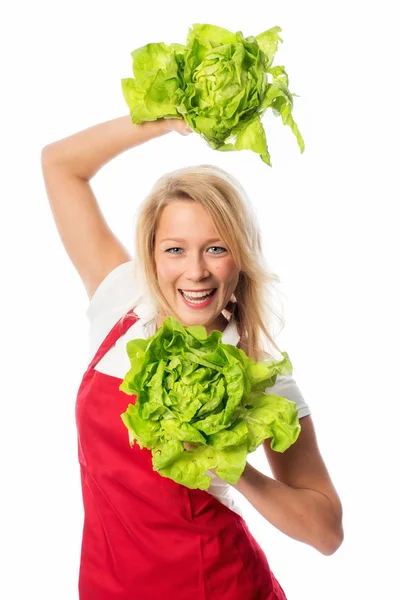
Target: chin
(189,319)
(194,320)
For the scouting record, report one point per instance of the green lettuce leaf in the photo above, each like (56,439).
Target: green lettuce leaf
(190,387)
(220,82)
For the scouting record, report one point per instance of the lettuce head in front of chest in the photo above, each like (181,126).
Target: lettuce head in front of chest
(190,387)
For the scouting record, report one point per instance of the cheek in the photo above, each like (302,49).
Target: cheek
(166,270)
(227,271)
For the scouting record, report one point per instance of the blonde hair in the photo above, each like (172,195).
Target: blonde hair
(224,199)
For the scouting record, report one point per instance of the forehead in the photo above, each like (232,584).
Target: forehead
(187,220)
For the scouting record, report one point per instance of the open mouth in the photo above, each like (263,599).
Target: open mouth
(197,298)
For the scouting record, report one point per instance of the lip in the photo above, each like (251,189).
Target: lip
(197,305)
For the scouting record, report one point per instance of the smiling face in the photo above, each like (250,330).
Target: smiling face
(195,270)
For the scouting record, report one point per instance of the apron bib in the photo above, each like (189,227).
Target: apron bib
(145,537)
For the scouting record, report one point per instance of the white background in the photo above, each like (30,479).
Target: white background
(330,233)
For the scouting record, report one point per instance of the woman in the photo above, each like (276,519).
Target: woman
(198,260)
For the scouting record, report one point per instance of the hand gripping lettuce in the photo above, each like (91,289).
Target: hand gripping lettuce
(220,82)
(192,388)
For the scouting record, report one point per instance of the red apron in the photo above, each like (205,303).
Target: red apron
(145,537)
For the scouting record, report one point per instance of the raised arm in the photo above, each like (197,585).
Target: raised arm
(68,166)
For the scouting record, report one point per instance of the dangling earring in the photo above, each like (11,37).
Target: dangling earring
(231,306)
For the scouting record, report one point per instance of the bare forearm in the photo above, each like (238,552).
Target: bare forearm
(85,152)
(304,515)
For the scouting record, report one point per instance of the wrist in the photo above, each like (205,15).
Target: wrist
(160,126)
(147,130)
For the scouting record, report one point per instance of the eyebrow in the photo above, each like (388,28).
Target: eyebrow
(181,240)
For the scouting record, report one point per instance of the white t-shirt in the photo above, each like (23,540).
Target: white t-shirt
(118,293)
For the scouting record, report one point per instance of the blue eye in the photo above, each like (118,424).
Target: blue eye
(217,248)
(220,250)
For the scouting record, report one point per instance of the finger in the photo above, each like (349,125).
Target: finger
(185,129)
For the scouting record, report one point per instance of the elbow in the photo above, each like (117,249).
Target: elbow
(46,155)
(332,543)
(332,536)
(45,151)
(49,154)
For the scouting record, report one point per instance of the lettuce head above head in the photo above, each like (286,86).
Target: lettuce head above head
(190,387)
(220,82)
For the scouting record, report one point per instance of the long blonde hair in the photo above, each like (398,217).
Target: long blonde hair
(224,199)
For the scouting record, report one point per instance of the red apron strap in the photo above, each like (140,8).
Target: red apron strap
(119,329)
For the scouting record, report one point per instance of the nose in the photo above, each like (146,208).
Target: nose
(196,268)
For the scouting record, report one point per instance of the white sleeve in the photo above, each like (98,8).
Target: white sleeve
(287,387)
(117,293)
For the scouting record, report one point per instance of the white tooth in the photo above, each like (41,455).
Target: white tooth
(194,295)
(197,294)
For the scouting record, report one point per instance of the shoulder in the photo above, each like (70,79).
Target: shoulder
(116,295)
(286,387)
(115,290)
